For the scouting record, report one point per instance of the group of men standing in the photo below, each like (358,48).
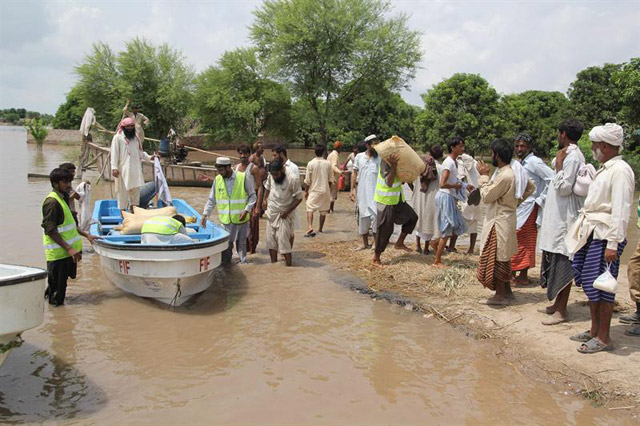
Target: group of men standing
(580,214)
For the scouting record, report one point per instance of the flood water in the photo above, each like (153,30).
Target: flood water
(265,344)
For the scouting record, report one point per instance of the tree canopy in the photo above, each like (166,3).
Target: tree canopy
(155,78)
(69,114)
(333,51)
(463,105)
(537,113)
(235,101)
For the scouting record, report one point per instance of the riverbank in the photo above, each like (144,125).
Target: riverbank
(541,353)
(60,137)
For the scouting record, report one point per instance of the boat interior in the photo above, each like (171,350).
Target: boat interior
(107,216)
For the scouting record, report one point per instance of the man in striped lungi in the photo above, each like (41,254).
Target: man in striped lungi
(529,212)
(598,237)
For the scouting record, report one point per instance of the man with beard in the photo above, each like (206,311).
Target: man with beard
(235,197)
(126,164)
(501,194)
(597,238)
(529,212)
(280,151)
(363,183)
(283,196)
(560,212)
(251,171)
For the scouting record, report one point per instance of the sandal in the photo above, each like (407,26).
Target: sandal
(633,332)
(583,337)
(594,345)
(633,318)
(310,234)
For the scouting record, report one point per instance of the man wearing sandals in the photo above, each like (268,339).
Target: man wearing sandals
(597,239)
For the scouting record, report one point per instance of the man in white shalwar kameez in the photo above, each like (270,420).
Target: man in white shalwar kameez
(126,164)
(141,120)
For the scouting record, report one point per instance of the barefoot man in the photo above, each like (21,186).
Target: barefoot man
(450,220)
(501,193)
(560,212)
(392,209)
(529,212)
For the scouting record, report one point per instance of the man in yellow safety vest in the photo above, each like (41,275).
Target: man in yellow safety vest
(235,196)
(61,239)
(165,230)
(392,209)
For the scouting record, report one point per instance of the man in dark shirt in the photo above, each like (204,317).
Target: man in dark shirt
(62,246)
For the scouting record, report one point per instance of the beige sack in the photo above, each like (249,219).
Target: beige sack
(132,223)
(410,165)
(165,211)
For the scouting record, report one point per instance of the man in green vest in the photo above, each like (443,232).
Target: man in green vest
(61,239)
(235,196)
(165,230)
(392,209)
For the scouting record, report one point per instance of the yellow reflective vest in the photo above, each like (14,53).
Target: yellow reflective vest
(230,207)
(388,195)
(68,232)
(162,225)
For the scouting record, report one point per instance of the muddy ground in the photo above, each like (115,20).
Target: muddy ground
(539,352)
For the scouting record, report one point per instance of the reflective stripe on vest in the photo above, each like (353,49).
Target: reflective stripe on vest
(230,208)
(388,195)
(68,232)
(162,225)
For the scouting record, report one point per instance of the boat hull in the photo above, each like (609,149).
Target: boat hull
(21,304)
(169,277)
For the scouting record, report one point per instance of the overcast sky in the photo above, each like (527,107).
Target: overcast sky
(515,45)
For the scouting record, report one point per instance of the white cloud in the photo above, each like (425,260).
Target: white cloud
(516,46)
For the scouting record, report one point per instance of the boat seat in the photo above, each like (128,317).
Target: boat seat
(111,219)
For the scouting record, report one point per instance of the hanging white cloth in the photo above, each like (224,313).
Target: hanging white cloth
(161,183)
(84,212)
(88,120)
(520,175)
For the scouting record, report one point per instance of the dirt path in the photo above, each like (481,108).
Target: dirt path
(540,352)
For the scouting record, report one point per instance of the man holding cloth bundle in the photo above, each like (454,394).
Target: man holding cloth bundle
(597,238)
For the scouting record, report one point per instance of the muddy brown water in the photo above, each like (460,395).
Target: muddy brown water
(265,344)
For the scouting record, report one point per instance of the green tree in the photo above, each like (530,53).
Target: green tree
(463,105)
(37,130)
(627,81)
(156,78)
(537,113)
(69,114)
(594,97)
(235,101)
(378,111)
(333,51)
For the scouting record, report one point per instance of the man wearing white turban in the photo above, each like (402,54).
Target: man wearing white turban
(597,238)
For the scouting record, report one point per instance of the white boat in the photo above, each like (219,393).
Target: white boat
(170,274)
(21,304)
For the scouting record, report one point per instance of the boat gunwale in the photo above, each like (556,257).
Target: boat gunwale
(160,247)
(25,279)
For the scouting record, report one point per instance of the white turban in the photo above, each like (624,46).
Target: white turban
(610,133)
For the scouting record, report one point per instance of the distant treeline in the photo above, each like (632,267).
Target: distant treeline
(317,72)
(20,115)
